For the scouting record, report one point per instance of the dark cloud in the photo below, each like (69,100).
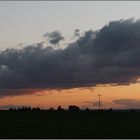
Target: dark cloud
(54,37)
(128,103)
(18,92)
(76,33)
(110,55)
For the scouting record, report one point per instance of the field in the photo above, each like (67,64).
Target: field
(64,124)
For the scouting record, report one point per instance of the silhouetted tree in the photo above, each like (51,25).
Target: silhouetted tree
(87,109)
(59,108)
(73,108)
(11,108)
(51,109)
(36,109)
(25,109)
(110,110)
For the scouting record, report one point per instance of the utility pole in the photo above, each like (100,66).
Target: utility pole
(99,101)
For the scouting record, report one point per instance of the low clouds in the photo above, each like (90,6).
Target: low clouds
(128,103)
(110,55)
(115,104)
(54,37)
(94,104)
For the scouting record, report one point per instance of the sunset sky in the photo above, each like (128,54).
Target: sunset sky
(67,52)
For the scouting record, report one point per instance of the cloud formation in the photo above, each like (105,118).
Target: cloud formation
(94,104)
(128,103)
(76,33)
(110,55)
(54,37)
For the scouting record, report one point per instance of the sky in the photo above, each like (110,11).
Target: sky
(68,52)
(28,21)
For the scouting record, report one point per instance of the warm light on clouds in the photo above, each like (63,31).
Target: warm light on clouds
(83,97)
(57,68)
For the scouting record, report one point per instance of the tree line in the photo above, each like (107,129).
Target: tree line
(59,108)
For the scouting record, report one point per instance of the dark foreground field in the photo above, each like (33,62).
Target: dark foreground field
(43,124)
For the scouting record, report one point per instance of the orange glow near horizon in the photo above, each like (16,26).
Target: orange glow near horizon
(82,97)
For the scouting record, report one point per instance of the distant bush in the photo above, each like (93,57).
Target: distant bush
(59,108)
(25,109)
(51,109)
(73,108)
